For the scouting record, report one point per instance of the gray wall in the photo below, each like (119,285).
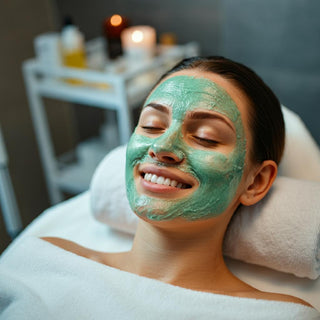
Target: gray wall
(281,41)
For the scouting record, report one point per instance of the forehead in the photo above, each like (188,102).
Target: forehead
(227,90)
(185,93)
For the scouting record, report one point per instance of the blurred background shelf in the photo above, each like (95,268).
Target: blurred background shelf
(120,87)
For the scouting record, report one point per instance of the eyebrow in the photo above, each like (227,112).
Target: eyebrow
(159,107)
(201,115)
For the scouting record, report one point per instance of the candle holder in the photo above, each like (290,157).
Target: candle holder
(138,43)
(112,28)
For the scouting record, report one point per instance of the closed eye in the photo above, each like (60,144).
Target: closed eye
(152,129)
(205,141)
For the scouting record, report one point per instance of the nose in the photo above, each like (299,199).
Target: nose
(167,149)
(169,157)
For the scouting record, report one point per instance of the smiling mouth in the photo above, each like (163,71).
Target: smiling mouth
(161,180)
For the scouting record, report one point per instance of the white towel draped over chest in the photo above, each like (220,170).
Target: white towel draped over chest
(41,281)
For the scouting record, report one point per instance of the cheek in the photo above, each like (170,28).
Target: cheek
(218,184)
(209,166)
(137,149)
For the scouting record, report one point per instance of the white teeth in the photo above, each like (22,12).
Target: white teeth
(154,178)
(173,183)
(148,176)
(162,180)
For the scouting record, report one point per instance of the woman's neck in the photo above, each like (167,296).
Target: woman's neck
(189,257)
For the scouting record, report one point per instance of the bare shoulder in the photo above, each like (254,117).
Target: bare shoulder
(280,297)
(105,258)
(63,243)
(72,247)
(247,291)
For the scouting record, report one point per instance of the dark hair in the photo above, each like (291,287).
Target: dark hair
(265,117)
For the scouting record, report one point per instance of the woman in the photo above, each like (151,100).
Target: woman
(209,138)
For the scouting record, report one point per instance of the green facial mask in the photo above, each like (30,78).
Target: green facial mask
(218,174)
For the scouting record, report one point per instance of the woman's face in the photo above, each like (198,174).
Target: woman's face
(187,155)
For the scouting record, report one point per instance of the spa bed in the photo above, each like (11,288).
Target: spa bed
(82,219)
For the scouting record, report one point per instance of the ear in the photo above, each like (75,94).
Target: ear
(259,183)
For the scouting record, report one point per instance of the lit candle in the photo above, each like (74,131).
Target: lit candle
(138,42)
(112,27)
(116,20)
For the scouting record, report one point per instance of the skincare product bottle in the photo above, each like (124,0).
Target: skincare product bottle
(73,49)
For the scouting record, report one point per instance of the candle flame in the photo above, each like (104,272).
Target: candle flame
(116,20)
(137,36)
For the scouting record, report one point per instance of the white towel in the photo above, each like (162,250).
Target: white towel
(301,157)
(282,231)
(58,284)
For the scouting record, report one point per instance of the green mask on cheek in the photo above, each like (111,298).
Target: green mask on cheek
(218,174)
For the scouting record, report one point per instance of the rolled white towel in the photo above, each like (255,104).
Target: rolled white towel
(301,157)
(108,195)
(282,231)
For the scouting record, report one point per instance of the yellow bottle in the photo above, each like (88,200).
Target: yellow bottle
(75,59)
(73,49)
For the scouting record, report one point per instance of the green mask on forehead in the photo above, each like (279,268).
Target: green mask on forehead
(218,174)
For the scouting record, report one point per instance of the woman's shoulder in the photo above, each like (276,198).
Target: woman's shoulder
(105,258)
(245,290)
(73,247)
(65,244)
(257,294)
